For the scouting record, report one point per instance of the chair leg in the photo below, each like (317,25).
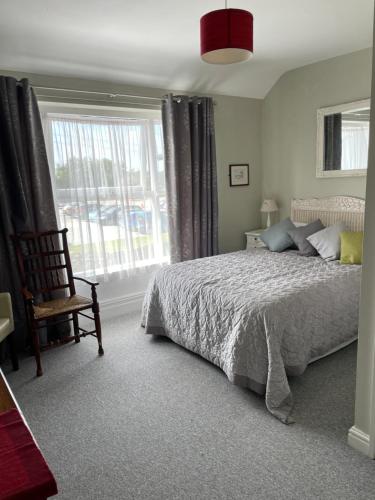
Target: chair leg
(35,339)
(76,328)
(13,351)
(98,328)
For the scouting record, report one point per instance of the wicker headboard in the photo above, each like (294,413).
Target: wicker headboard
(329,210)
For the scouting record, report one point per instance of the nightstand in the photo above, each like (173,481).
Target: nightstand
(253,240)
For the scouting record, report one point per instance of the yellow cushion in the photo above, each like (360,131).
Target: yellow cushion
(351,247)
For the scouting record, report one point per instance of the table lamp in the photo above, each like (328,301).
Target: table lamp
(267,207)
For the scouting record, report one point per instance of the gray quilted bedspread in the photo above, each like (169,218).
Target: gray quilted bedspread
(259,316)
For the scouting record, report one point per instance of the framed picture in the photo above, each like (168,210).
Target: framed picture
(239,174)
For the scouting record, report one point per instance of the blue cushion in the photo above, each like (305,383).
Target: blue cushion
(277,238)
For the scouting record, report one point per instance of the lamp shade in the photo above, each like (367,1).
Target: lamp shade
(226,36)
(269,206)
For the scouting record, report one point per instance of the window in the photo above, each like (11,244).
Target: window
(108,177)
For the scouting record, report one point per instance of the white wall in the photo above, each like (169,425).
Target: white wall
(289,122)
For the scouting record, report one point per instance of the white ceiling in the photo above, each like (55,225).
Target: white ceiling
(156,43)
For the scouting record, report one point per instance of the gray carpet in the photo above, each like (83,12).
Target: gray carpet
(150,420)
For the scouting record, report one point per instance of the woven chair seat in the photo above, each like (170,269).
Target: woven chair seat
(60,306)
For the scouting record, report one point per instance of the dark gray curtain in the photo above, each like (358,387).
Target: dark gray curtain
(190,167)
(26,199)
(332,141)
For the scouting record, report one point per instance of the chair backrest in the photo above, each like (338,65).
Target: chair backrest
(44,262)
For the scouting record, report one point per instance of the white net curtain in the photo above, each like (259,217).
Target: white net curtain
(109,187)
(355,144)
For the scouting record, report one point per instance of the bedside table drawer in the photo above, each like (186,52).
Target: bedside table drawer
(253,241)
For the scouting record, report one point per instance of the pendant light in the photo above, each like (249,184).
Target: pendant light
(226,36)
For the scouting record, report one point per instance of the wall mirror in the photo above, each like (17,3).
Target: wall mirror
(343,139)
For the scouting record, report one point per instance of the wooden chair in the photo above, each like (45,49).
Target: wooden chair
(46,272)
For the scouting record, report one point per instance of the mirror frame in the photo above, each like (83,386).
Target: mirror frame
(322,112)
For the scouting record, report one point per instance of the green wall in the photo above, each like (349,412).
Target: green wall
(288,129)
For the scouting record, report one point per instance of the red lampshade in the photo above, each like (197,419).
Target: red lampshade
(226,36)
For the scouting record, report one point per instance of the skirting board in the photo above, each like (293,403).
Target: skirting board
(359,441)
(118,306)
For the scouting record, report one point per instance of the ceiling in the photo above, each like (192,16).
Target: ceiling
(156,43)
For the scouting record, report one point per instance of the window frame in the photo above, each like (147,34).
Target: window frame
(102,111)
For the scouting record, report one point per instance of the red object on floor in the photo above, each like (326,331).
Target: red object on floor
(24,473)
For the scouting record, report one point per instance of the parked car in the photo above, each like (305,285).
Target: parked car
(141,221)
(81,210)
(109,215)
(94,213)
(71,209)
(67,209)
(164,221)
(134,217)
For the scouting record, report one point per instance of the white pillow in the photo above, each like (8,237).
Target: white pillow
(327,241)
(299,224)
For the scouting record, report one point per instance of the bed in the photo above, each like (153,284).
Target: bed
(258,315)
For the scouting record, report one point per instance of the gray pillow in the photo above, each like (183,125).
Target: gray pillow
(276,237)
(327,241)
(299,235)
